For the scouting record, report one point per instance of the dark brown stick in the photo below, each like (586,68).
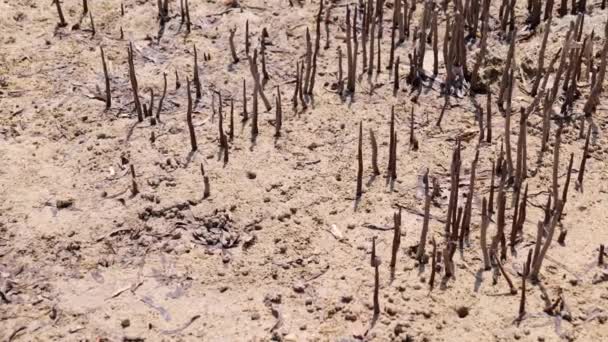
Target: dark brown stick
(206,188)
(435,37)
(162,98)
(340,76)
(556,148)
(62,22)
(231,132)
(134,85)
(222,135)
(316,53)
(550,230)
(326,22)
(278,122)
(247,37)
(257,89)
(433,265)
(235,58)
(196,79)
(396,78)
(376,292)
(541,57)
(107,78)
(265,76)
(245,115)
(413,140)
(308,61)
(189,118)
(485,222)
(396,240)
(567,183)
(581,170)
(420,254)
(525,274)
(360,162)
(188,21)
(466,220)
(92,23)
(134,188)
(491,198)
(374,144)
(350,83)
(504,274)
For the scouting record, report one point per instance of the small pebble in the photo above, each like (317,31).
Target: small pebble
(299,287)
(64,203)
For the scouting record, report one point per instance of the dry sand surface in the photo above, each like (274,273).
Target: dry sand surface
(281,248)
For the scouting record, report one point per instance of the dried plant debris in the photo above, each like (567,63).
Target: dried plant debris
(216,230)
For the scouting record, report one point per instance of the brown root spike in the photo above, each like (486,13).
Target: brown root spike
(206,188)
(193,144)
(107,78)
(235,58)
(278,121)
(420,254)
(311,85)
(196,79)
(360,162)
(485,223)
(374,145)
(134,86)
(396,240)
(162,98)
(231,132)
(62,22)
(581,170)
(134,188)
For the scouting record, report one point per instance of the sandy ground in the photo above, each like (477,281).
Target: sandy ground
(292,259)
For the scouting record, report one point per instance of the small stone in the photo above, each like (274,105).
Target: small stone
(400,328)
(251,175)
(255,316)
(391,311)
(223,288)
(226,258)
(299,287)
(290,338)
(462,311)
(350,316)
(125,323)
(272,298)
(346,299)
(64,203)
